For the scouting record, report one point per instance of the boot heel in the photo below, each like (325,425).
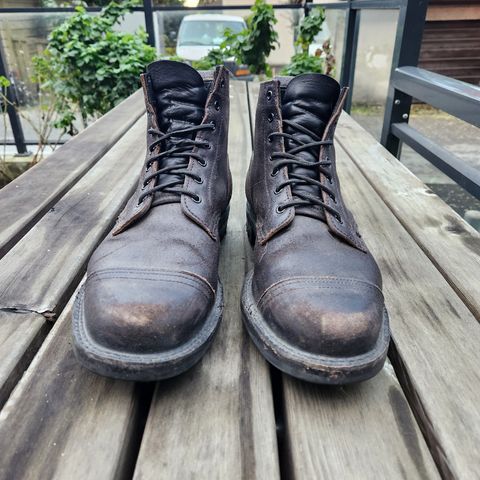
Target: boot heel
(222,227)
(251,234)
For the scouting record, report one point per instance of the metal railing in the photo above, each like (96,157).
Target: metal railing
(411,18)
(406,81)
(457,98)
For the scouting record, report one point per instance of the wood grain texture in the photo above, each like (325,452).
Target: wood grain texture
(41,271)
(354,432)
(216,421)
(360,431)
(450,243)
(21,334)
(63,422)
(29,197)
(436,338)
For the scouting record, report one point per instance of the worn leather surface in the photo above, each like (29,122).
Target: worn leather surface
(152,281)
(315,282)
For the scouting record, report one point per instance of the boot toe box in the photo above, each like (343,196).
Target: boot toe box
(338,317)
(145,311)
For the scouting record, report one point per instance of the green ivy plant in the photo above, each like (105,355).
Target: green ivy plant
(251,46)
(92,67)
(323,61)
(310,27)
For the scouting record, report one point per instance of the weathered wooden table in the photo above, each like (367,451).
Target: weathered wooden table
(232,416)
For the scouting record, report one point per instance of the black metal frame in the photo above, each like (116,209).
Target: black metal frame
(352,8)
(457,98)
(406,81)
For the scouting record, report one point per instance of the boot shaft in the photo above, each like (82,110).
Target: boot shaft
(287,177)
(190,110)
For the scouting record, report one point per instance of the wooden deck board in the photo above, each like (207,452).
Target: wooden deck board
(359,431)
(63,240)
(63,422)
(21,334)
(217,420)
(29,197)
(436,336)
(430,221)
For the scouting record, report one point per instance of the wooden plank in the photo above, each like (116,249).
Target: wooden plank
(430,221)
(21,334)
(436,337)
(62,421)
(41,271)
(358,431)
(29,197)
(217,420)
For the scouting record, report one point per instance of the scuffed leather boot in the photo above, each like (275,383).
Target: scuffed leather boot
(313,303)
(152,300)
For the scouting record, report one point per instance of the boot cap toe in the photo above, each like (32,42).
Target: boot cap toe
(145,311)
(339,317)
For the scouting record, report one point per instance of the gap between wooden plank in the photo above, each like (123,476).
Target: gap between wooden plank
(450,243)
(62,421)
(41,271)
(26,199)
(358,431)
(435,335)
(217,420)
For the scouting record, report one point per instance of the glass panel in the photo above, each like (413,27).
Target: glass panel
(458,137)
(24,35)
(168,33)
(372,71)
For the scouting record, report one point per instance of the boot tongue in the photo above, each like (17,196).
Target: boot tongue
(309,101)
(180,94)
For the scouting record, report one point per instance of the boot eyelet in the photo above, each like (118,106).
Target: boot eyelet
(269,94)
(277,191)
(269,138)
(270,117)
(198,180)
(214,127)
(274,173)
(339,219)
(270,159)
(280,209)
(216,104)
(202,163)
(222,83)
(197,199)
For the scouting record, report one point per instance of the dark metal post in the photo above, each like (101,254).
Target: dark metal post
(408,41)
(306,7)
(148,10)
(13,116)
(352,27)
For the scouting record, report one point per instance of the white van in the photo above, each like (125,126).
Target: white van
(198,34)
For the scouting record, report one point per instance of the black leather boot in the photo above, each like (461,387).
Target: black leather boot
(313,302)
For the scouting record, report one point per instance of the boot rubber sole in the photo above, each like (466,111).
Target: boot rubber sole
(322,369)
(142,367)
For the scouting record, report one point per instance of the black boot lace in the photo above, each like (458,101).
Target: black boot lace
(290,160)
(181,148)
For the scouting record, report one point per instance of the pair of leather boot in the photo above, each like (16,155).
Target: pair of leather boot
(313,302)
